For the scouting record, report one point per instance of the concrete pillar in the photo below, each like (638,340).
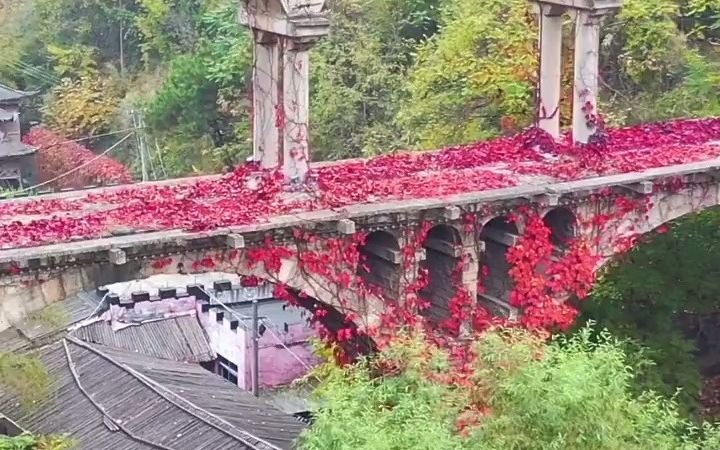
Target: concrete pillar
(296,100)
(284,31)
(266,77)
(587,50)
(551,22)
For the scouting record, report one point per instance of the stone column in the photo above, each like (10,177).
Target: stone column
(551,22)
(267,74)
(296,103)
(587,50)
(284,31)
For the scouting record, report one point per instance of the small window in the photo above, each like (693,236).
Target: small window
(227,370)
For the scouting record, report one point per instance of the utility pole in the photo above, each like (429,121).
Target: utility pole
(255,351)
(140,143)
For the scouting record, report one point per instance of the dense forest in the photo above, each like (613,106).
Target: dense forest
(393,74)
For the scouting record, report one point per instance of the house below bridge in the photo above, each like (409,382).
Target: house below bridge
(17,160)
(159,350)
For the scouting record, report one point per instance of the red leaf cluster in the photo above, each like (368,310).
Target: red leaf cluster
(56,156)
(249,195)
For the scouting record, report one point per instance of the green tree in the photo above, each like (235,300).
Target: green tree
(83,107)
(523,394)
(359,73)
(475,71)
(659,292)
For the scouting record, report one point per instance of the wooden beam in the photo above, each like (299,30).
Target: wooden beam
(499,236)
(385,253)
(444,247)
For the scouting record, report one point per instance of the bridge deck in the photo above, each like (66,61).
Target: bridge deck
(247,200)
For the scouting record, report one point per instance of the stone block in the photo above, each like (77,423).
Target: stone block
(236,241)
(346,226)
(452,213)
(117,256)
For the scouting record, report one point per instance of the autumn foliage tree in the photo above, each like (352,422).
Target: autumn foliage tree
(56,155)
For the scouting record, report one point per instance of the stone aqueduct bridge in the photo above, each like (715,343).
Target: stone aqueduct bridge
(33,277)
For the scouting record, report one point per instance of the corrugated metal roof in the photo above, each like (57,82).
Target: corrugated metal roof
(8,94)
(111,399)
(178,339)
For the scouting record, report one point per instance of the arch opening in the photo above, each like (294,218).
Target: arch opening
(499,234)
(443,252)
(380,262)
(563,227)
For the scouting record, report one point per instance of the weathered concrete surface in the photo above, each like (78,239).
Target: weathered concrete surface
(34,277)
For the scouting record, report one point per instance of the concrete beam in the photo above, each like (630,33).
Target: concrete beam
(452,213)
(498,307)
(346,226)
(501,237)
(117,256)
(444,247)
(549,199)
(643,187)
(236,241)
(388,254)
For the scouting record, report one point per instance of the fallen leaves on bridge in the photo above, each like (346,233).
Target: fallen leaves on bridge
(233,200)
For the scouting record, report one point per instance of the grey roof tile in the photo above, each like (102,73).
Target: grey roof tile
(178,339)
(122,400)
(8,94)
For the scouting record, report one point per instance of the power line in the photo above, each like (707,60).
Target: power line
(244,317)
(88,137)
(31,71)
(75,169)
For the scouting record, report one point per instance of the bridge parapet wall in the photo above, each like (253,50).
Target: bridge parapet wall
(410,237)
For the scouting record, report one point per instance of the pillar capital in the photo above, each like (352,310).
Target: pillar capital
(599,6)
(290,18)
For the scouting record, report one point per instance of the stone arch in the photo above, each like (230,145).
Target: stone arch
(666,207)
(380,262)
(498,234)
(443,254)
(563,226)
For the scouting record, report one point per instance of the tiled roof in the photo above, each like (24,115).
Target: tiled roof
(8,94)
(177,339)
(6,115)
(15,148)
(47,324)
(112,399)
